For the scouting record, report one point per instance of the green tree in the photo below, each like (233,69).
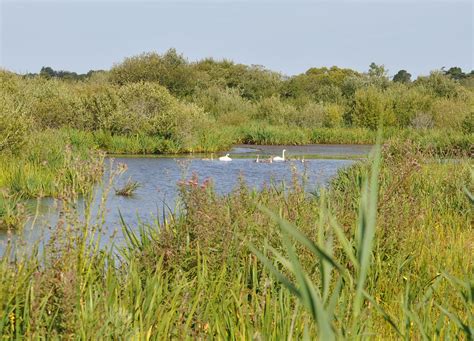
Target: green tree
(47,72)
(455,73)
(253,82)
(378,75)
(171,70)
(402,76)
(440,85)
(319,84)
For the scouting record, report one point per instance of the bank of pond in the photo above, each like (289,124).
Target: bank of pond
(155,183)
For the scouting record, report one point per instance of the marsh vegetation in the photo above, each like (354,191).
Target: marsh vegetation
(384,250)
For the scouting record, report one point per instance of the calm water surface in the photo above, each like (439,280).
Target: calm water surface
(158,178)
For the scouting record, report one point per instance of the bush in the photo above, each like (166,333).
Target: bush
(407,102)
(97,105)
(422,121)
(225,105)
(329,94)
(14,124)
(371,108)
(468,123)
(141,107)
(170,70)
(275,111)
(9,82)
(149,109)
(449,113)
(440,85)
(50,103)
(310,115)
(333,117)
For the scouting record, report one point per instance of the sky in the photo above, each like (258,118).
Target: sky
(285,36)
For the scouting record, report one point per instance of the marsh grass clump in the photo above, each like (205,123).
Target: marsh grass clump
(52,164)
(128,189)
(12,212)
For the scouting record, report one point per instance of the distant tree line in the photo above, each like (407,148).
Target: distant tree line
(48,72)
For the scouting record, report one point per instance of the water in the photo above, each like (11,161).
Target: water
(158,178)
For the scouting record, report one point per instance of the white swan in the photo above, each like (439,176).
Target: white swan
(225,158)
(257,161)
(280,158)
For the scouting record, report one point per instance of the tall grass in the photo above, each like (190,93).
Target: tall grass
(383,252)
(318,298)
(434,142)
(53,163)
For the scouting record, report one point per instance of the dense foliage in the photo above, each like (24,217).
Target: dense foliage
(169,98)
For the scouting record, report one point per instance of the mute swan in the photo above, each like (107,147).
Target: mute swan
(280,158)
(269,160)
(257,160)
(225,158)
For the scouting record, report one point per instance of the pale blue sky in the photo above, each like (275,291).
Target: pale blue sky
(286,36)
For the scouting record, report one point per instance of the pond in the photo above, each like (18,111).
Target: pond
(158,178)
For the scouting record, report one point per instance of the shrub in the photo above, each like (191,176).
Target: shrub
(449,113)
(371,108)
(97,105)
(140,104)
(468,123)
(14,124)
(310,115)
(50,103)
(275,111)
(422,120)
(225,105)
(329,94)
(407,102)
(333,117)
(9,82)
(149,109)
(352,84)
(170,70)
(440,85)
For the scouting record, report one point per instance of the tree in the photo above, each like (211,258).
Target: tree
(455,73)
(47,72)
(171,70)
(377,71)
(378,75)
(441,85)
(320,84)
(402,76)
